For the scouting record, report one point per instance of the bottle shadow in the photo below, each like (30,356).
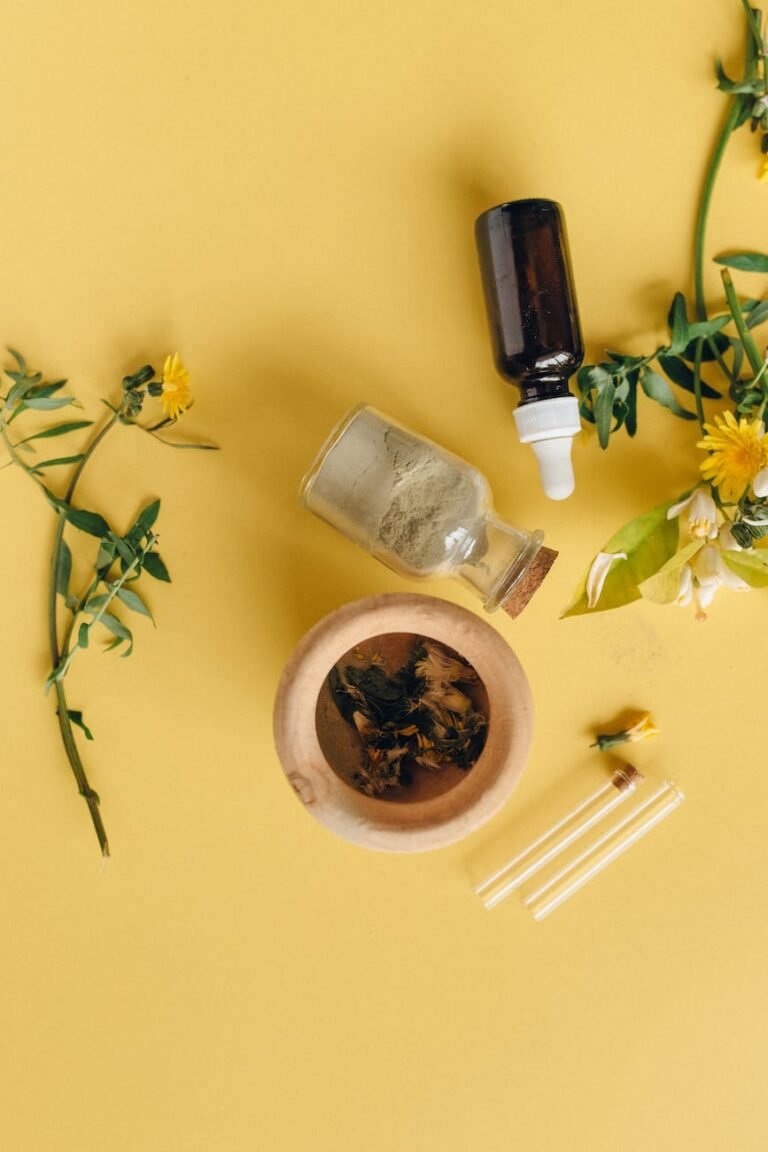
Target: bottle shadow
(278,428)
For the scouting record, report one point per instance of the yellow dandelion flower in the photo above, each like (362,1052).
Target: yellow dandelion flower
(737,451)
(176,396)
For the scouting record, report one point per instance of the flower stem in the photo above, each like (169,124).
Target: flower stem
(715,160)
(699,241)
(84,788)
(746,337)
(65,725)
(705,202)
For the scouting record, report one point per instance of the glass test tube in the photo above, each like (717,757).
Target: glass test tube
(583,842)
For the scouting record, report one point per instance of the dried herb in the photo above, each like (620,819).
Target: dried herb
(418,717)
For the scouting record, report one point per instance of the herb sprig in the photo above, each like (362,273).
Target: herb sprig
(121,559)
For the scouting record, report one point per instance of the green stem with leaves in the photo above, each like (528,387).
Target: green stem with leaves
(68,653)
(729,126)
(62,709)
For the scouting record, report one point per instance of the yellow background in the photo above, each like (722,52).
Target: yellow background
(285,192)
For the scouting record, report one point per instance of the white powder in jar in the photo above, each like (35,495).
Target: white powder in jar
(434,506)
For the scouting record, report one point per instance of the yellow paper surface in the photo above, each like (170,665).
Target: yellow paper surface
(285,193)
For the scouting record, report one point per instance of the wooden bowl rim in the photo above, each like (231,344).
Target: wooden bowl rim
(421,825)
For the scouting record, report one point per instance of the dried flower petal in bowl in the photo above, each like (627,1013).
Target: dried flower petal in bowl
(402,717)
(403,722)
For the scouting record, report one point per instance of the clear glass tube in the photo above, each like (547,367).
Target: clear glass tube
(583,842)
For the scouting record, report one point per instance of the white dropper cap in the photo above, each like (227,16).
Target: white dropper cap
(549,427)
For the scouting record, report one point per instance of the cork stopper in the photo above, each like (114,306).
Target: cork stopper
(626,777)
(523,589)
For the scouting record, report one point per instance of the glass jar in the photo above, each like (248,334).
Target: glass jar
(421,510)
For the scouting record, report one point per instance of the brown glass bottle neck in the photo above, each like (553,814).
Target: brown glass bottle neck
(542,388)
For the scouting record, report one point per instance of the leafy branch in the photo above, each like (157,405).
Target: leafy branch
(608,390)
(684,550)
(120,560)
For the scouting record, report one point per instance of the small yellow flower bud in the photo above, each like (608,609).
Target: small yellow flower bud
(643,727)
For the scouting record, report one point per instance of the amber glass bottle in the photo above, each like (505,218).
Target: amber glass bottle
(537,344)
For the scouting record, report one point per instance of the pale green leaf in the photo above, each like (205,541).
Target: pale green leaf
(648,541)
(133,601)
(752,567)
(664,586)
(119,630)
(47,403)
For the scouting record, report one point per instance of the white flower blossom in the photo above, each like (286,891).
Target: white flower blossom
(596,577)
(685,592)
(707,572)
(760,484)
(702,513)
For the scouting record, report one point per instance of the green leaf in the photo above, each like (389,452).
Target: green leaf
(678,324)
(19,405)
(47,403)
(680,374)
(64,569)
(631,420)
(659,390)
(758,314)
(134,602)
(58,430)
(664,586)
(707,328)
(725,84)
(738,358)
(649,541)
(744,105)
(604,412)
(752,567)
(106,555)
(82,635)
(85,521)
(19,359)
(720,341)
(21,386)
(77,718)
(123,548)
(57,460)
(745,261)
(45,390)
(591,378)
(147,517)
(119,630)
(95,603)
(155,567)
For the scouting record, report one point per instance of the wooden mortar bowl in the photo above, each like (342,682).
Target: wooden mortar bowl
(407,825)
